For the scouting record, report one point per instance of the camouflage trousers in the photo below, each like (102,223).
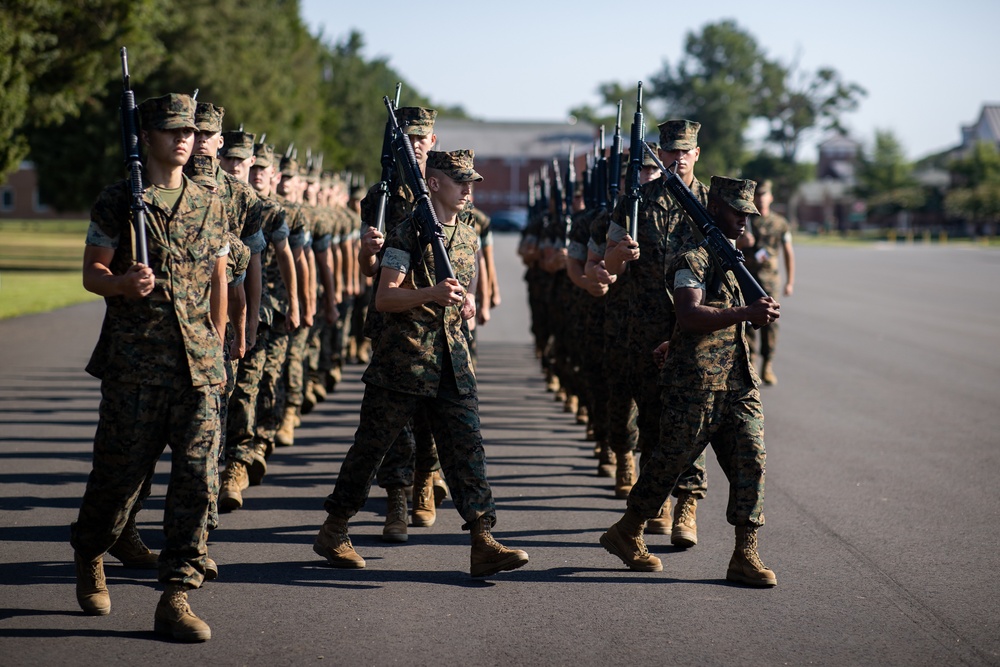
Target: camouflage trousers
(413,449)
(243,400)
(295,368)
(646,391)
(320,346)
(622,432)
(592,368)
(359,313)
(733,422)
(340,338)
(769,334)
(454,421)
(136,424)
(270,407)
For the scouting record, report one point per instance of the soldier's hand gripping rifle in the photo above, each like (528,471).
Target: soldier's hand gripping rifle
(725,256)
(387,170)
(613,166)
(429,227)
(635,149)
(130,145)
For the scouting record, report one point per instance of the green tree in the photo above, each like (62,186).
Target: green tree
(722,81)
(56,57)
(977,195)
(885,179)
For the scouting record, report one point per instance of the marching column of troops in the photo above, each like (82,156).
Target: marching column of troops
(265,277)
(647,340)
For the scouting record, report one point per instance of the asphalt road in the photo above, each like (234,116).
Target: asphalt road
(882,507)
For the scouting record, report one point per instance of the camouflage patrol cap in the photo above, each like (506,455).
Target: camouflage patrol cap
(416,120)
(358,193)
(289,166)
(735,192)
(237,144)
(208,117)
(679,135)
(169,112)
(456,165)
(647,159)
(265,155)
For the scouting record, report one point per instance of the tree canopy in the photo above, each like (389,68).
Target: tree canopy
(60,83)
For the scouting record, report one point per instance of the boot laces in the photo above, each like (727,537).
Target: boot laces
(686,507)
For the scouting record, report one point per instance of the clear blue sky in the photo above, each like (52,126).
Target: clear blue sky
(928,67)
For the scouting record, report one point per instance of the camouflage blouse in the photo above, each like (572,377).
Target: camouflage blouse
(719,360)
(414,346)
(166,338)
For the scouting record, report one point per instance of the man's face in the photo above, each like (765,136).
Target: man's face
(685,160)
(421,144)
(261,178)
(649,173)
(763,202)
(238,167)
(289,186)
(731,222)
(454,195)
(207,143)
(171,147)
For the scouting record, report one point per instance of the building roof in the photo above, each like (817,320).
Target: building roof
(987,128)
(509,139)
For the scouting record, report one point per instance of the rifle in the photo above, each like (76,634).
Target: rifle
(613,169)
(561,220)
(725,256)
(601,178)
(130,144)
(382,189)
(636,142)
(570,179)
(428,225)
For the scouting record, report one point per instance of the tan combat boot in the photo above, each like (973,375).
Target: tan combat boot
(335,546)
(660,524)
(571,404)
(624,475)
(319,390)
(285,436)
(424,512)
(745,566)
(352,351)
(767,374)
(684,532)
(258,467)
(174,617)
(582,415)
(624,539)
(440,488)
(131,551)
(235,480)
(364,352)
(395,516)
(607,463)
(309,400)
(488,555)
(211,569)
(91,586)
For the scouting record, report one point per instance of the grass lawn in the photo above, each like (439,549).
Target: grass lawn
(40,265)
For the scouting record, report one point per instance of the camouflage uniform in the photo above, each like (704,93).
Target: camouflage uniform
(709,395)
(421,361)
(770,235)
(663,230)
(621,430)
(243,403)
(160,362)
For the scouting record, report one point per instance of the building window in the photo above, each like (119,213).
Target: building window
(6,199)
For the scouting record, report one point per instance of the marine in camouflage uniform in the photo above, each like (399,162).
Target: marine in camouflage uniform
(710,394)
(160,361)
(411,460)
(256,380)
(772,237)
(663,230)
(421,360)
